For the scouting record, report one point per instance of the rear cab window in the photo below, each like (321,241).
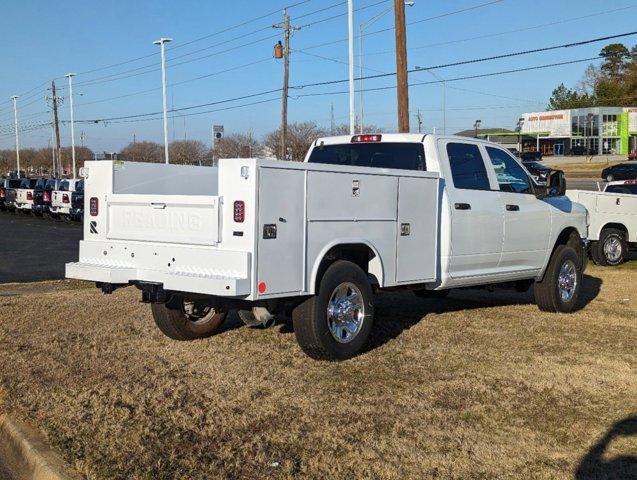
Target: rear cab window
(629,189)
(403,156)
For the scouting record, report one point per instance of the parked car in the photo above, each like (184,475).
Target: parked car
(7,193)
(613,221)
(539,171)
(77,203)
(531,156)
(25,194)
(621,171)
(43,193)
(514,151)
(61,199)
(581,150)
(363,212)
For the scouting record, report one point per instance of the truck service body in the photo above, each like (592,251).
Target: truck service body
(613,220)
(264,234)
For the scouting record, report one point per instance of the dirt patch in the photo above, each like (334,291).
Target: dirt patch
(479,385)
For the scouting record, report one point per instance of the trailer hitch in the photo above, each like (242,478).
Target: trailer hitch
(152,292)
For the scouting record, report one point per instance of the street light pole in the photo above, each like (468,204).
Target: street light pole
(352,104)
(162,46)
(70,77)
(17,138)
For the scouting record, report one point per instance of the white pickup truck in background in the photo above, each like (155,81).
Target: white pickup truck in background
(427,213)
(613,220)
(61,199)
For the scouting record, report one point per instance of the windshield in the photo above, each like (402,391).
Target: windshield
(535,165)
(79,186)
(14,183)
(41,183)
(28,183)
(50,184)
(405,156)
(64,186)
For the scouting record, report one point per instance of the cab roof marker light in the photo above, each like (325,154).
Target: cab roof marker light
(366,138)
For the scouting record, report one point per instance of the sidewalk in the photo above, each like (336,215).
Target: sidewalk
(597,159)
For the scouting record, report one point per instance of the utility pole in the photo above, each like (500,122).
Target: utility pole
(332,122)
(401,67)
(56,126)
(288,30)
(82,138)
(419,116)
(17,138)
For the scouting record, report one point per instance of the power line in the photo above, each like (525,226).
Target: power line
(384,75)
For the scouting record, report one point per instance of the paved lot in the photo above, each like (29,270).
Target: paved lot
(33,248)
(582,183)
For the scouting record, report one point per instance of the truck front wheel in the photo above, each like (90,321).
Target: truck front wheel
(559,290)
(189,320)
(336,323)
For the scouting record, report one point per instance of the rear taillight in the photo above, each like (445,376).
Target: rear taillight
(630,182)
(29,195)
(46,196)
(366,138)
(94,206)
(3,193)
(65,198)
(239,211)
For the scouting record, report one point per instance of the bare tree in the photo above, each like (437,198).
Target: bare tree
(143,152)
(343,129)
(187,152)
(300,137)
(238,145)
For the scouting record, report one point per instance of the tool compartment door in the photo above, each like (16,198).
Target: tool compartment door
(417,232)
(281,209)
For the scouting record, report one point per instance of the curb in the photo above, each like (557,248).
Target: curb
(26,454)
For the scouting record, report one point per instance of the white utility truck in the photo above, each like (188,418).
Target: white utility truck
(316,239)
(613,220)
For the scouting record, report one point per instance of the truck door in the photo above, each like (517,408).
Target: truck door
(527,220)
(477,219)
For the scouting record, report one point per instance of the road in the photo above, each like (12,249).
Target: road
(582,183)
(34,249)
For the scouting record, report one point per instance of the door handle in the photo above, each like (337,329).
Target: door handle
(462,206)
(513,208)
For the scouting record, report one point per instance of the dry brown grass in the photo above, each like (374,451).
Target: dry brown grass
(477,386)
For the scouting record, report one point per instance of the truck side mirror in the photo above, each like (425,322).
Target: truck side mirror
(556,183)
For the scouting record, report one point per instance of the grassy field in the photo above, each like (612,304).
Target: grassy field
(478,386)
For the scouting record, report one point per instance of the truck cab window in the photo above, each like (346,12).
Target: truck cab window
(511,176)
(467,167)
(404,156)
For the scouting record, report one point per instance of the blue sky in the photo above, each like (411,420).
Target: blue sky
(43,40)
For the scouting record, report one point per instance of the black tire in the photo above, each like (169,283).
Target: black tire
(547,291)
(603,254)
(178,325)
(310,319)
(424,293)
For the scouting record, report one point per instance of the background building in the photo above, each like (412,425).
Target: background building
(593,131)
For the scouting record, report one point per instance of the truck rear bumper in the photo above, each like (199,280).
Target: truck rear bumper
(206,271)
